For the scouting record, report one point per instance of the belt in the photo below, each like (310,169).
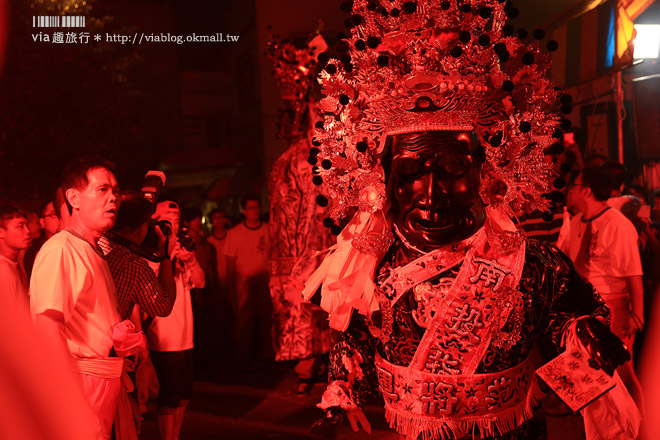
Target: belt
(107,368)
(439,406)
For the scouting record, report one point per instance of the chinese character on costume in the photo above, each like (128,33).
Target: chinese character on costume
(434,130)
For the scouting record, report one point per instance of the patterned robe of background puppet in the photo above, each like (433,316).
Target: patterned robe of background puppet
(296,235)
(553,293)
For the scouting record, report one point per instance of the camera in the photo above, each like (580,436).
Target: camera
(154,181)
(185,239)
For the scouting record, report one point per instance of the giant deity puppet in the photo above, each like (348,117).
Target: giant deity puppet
(434,130)
(296,229)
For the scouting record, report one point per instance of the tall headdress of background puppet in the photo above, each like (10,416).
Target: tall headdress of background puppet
(429,65)
(294,69)
(296,228)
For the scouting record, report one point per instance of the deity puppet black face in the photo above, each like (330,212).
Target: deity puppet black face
(434,187)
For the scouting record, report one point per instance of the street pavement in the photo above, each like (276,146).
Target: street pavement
(261,403)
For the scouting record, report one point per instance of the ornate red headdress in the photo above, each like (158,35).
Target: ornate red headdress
(294,69)
(430,65)
(426,65)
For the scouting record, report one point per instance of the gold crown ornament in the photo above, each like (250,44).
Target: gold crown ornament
(428,65)
(294,70)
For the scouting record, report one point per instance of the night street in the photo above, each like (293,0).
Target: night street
(263,405)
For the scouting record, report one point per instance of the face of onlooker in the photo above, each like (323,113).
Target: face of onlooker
(219,221)
(49,221)
(195,226)
(16,233)
(174,218)
(96,206)
(252,211)
(34,225)
(575,196)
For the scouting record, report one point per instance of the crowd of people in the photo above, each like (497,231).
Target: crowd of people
(119,283)
(94,287)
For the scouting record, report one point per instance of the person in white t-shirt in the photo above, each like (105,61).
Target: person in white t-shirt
(72,295)
(14,238)
(171,337)
(220,308)
(247,277)
(217,238)
(603,246)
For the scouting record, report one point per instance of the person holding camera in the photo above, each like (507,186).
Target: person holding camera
(171,337)
(135,281)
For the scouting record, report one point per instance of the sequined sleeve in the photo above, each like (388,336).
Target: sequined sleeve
(570,294)
(352,372)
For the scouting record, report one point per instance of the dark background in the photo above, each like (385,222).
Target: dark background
(205,113)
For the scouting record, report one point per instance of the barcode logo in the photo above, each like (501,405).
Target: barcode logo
(65,21)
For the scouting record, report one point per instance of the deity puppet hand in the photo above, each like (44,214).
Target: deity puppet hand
(606,351)
(328,426)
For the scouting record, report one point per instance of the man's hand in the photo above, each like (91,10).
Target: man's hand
(188,258)
(163,242)
(635,287)
(606,351)
(636,322)
(130,362)
(185,255)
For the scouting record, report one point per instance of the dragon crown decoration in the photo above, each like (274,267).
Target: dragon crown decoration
(430,65)
(294,70)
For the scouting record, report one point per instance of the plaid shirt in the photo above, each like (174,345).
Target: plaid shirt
(135,282)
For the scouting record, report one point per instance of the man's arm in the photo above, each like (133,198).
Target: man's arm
(197,277)
(195,271)
(51,324)
(635,287)
(156,294)
(165,271)
(166,279)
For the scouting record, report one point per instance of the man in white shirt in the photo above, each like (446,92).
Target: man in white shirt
(14,237)
(247,275)
(72,295)
(603,246)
